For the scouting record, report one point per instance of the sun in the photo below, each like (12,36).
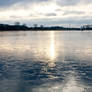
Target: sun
(46,8)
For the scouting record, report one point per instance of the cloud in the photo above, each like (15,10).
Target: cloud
(14,17)
(72,2)
(51,14)
(45,11)
(87,1)
(67,2)
(4,3)
(73,12)
(8,3)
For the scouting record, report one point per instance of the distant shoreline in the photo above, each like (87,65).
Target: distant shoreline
(7,27)
(43,30)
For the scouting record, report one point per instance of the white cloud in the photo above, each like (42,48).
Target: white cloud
(43,10)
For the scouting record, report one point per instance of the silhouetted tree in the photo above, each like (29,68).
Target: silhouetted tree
(17,23)
(35,25)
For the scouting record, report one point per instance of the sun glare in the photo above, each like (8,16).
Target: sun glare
(46,8)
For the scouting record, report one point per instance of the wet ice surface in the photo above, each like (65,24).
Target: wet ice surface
(46,61)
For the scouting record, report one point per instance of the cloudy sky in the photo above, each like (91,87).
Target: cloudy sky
(47,12)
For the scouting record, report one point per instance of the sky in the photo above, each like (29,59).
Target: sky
(46,12)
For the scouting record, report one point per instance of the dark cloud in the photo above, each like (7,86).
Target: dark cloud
(72,2)
(58,10)
(51,14)
(67,2)
(7,3)
(73,12)
(4,3)
(15,17)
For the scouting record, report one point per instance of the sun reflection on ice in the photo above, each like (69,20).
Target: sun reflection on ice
(52,50)
(52,46)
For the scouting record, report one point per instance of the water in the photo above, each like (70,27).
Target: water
(46,61)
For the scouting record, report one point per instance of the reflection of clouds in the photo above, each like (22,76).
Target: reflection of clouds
(6,47)
(73,86)
(53,76)
(48,79)
(55,47)
(68,85)
(10,47)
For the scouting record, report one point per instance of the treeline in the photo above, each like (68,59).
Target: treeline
(17,26)
(6,27)
(12,27)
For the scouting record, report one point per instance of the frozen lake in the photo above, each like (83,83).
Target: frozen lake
(46,61)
